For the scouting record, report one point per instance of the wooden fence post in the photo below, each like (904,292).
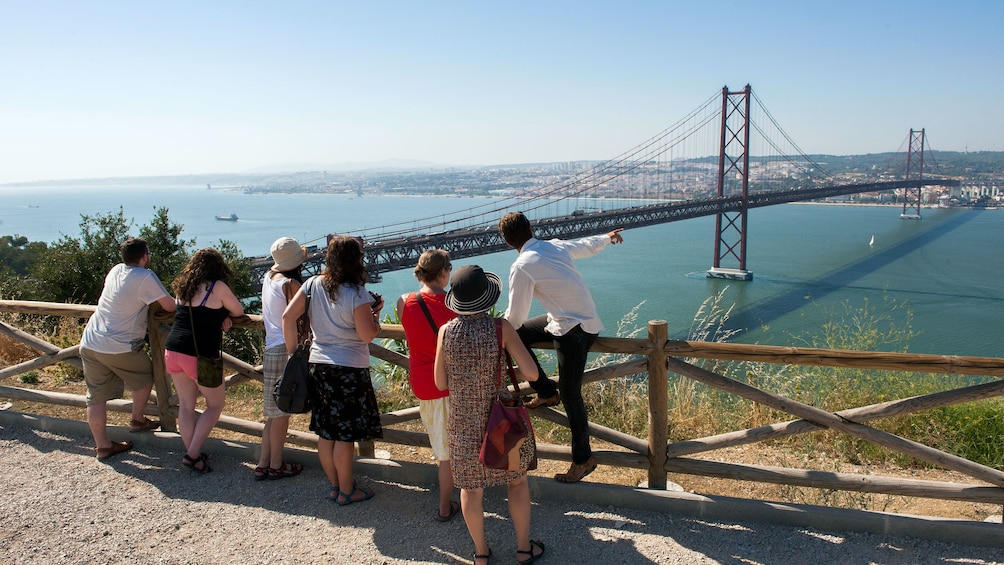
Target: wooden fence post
(168,422)
(658,405)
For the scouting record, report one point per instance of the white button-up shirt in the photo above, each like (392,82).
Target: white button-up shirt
(545,270)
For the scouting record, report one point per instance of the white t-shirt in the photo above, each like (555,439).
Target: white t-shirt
(119,323)
(273,304)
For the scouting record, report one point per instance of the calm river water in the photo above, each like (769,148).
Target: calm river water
(808,260)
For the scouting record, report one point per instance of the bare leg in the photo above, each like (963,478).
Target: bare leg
(472,504)
(266,444)
(445,487)
(97,420)
(188,391)
(277,439)
(519,510)
(140,398)
(326,454)
(215,399)
(344,452)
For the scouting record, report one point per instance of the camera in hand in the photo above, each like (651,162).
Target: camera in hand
(377,299)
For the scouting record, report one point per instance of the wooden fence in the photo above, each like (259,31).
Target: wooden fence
(653,359)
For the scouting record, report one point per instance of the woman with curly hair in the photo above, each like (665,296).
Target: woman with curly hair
(205,305)
(344,318)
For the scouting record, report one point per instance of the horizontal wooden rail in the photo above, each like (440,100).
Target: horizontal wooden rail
(642,359)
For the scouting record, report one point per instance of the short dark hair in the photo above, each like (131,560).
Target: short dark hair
(132,250)
(515,229)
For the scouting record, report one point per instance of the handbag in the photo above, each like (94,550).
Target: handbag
(292,392)
(509,442)
(209,370)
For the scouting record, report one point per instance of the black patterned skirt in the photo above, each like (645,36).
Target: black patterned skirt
(345,406)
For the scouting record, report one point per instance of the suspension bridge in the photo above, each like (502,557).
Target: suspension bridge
(666,178)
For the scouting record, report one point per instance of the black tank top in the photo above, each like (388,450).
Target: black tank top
(208,329)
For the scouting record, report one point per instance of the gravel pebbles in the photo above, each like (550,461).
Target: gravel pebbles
(58,504)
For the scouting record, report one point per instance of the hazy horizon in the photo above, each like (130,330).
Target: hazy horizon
(108,89)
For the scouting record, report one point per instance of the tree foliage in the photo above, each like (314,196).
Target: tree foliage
(73,268)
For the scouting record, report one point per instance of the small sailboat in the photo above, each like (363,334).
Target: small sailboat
(872,242)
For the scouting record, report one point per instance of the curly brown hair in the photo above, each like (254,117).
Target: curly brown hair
(343,263)
(205,266)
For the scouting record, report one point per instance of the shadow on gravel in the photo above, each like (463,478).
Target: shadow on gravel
(586,523)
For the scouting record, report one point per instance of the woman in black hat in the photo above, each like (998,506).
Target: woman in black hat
(468,363)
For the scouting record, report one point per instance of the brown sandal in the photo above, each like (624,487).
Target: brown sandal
(143,425)
(116,448)
(577,471)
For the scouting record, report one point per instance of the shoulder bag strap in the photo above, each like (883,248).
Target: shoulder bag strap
(508,361)
(428,315)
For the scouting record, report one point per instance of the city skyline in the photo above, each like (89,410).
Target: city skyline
(108,89)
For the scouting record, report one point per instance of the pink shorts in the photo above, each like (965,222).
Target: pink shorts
(178,363)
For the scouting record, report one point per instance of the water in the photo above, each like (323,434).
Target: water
(807,259)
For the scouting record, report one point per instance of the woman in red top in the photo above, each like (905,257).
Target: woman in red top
(421,314)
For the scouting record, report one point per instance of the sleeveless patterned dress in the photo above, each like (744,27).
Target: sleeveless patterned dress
(472,365)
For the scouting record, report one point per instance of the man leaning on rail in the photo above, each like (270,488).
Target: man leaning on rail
(111,347)
(545,270)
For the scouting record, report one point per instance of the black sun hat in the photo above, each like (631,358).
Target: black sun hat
(473,290)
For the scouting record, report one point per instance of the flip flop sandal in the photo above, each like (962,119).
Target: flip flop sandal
(454,508)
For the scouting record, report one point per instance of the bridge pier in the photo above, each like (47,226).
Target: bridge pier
(730,274)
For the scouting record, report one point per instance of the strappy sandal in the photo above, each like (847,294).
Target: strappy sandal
(116,448)
(193,464)
(454,509)
(533,557)
(333,493)
(487,558)
(285,470)
(344,498)
(577,471)
(260,473)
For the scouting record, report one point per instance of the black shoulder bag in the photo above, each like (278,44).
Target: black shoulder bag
(292,392)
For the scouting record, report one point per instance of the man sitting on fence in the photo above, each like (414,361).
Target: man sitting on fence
(545,270)
(111,347)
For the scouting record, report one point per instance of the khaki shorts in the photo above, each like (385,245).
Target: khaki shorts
(435,416)
(108,374)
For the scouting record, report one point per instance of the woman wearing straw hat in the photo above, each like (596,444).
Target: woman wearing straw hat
(278,287)
(468,362)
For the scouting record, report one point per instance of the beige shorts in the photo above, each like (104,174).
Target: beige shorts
(435,416)
(107,374)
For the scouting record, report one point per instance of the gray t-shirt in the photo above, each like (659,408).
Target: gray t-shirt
(334,325)
(119,323)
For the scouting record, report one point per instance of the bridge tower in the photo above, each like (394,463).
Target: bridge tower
(733,179)
(914,164)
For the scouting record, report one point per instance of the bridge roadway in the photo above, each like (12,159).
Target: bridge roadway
(403,252)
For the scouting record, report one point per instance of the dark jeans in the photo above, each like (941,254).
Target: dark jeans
(571,350)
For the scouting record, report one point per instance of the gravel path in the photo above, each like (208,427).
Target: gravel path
(60,505)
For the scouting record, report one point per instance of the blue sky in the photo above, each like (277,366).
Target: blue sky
(102,89)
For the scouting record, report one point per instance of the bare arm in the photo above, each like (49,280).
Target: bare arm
(367,321)
(440,367)
(167,303)
(514,346)
(293,311)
